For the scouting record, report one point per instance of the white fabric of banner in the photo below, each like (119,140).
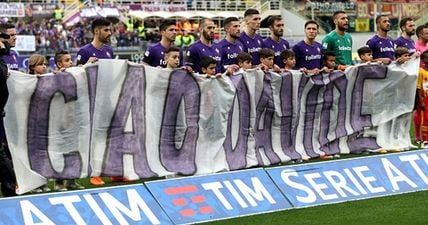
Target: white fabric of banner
(116,118)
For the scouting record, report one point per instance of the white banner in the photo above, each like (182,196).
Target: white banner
(12,9)
(26,43)
(116,118)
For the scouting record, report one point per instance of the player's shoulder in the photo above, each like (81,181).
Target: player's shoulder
(329,37)
(84,49)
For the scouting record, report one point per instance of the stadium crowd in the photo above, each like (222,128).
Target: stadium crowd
(240,49)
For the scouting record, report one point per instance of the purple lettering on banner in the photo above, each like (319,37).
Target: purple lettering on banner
(38,126)
(265,110)
(336,79)
(287,131)
(92,76)
(310,108)
(181,86)
(236,155)
(359,121)
(120,142)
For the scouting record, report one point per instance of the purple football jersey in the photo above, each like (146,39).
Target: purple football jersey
(381,47)
(252,45)
(87,51)
(407,43)
(277,47)
(197,50)
(11,60)
(155,55)
(229,52)
(308,56)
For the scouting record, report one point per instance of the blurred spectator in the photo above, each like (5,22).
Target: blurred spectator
(51,35)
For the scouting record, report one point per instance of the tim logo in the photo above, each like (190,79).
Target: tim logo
(188,199)
(230,194)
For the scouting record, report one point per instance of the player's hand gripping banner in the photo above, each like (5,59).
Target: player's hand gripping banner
(116,118)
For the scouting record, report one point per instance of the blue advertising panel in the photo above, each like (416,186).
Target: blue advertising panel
(352,179)
(218,196)
(130,204)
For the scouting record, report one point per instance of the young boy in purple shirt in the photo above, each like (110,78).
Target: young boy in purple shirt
(98,48)
(244,61)
(172,57)
(208,66)
(252,41)
(275,41)
(365,54)
(289,59)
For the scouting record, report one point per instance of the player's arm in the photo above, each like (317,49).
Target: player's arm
(189,60)
(327,44)
(147,58)
(81,58)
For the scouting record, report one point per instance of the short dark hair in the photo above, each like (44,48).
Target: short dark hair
(311,22)
(286,54)
(364,50)
(404,21)
(244,57)
(207,61)
(337,13)
(379,17)
(5,26)
(59,55)
(419,29)
(329,53)
(203,22)
(229,20)
(400,51)
(165,24)
(250,12)
(100,22)
(172,49)
(266,52)
(272,19)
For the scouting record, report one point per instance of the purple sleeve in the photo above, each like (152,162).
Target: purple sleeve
(82,57)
